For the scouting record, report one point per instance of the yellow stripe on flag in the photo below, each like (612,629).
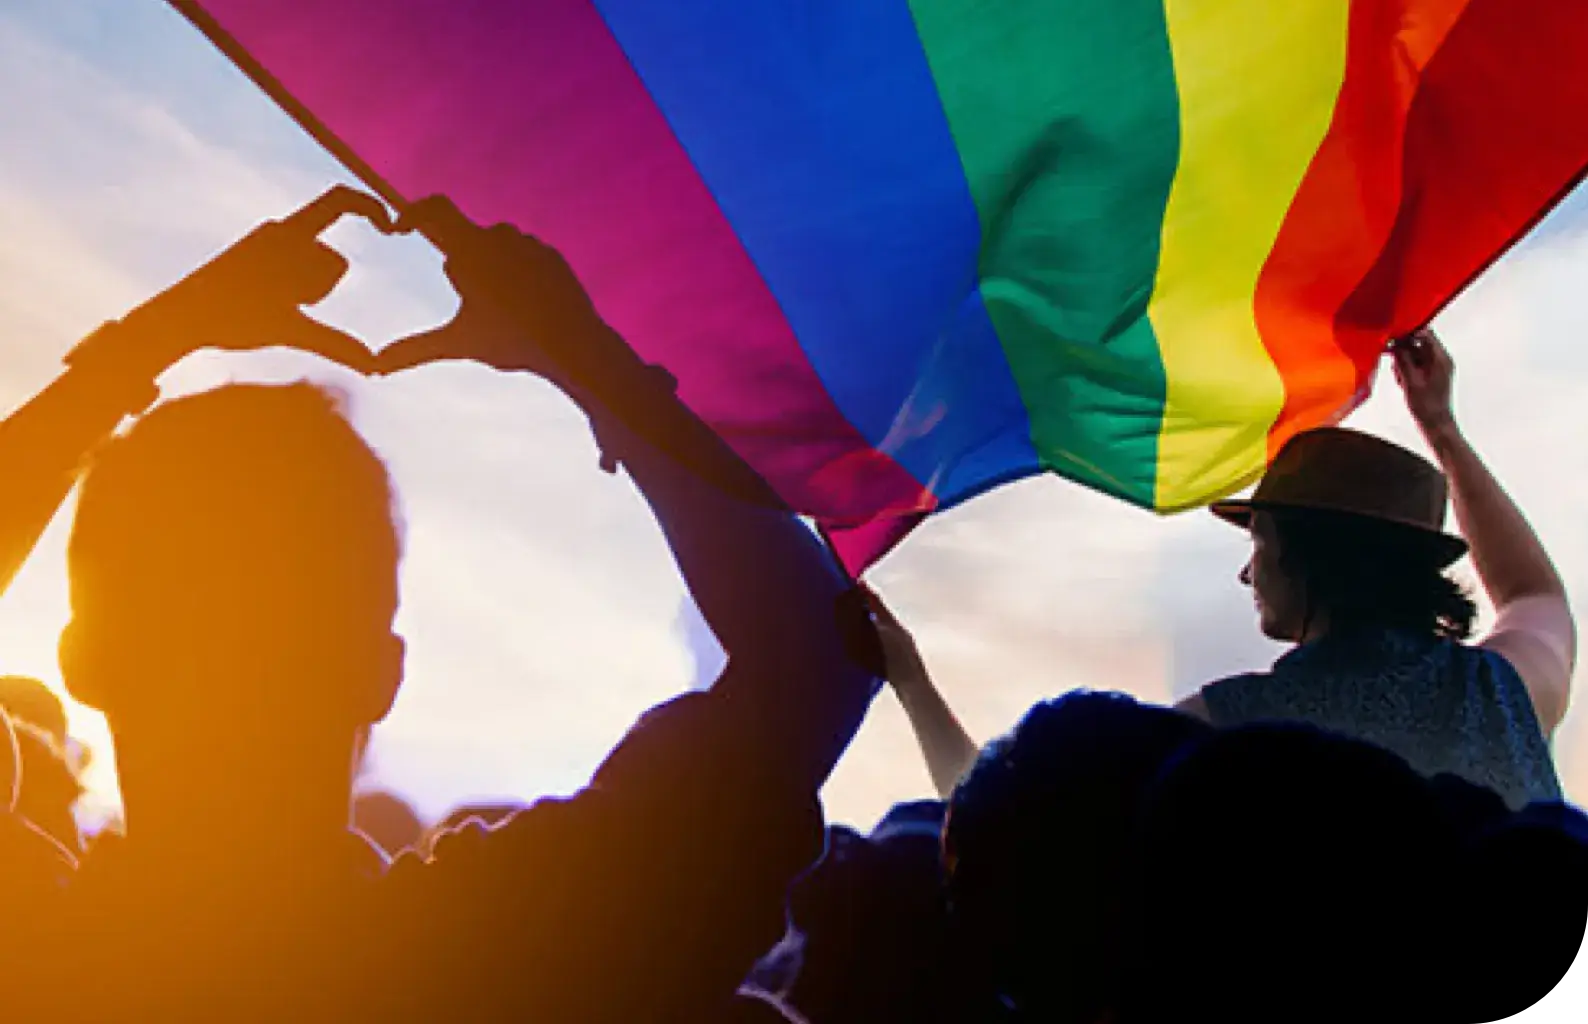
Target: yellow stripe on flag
(1258,82)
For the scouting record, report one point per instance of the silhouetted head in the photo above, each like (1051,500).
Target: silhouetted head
(1544,845)
(1316,570)
(233,584)
(1469,807)
(1279,859)
(1038,836)
(869,936)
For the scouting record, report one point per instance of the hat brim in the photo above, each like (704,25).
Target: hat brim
(1445,548)
(1236,513)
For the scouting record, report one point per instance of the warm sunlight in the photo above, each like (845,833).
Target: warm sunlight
(137,168)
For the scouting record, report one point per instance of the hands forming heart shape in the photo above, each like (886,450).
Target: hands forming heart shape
(522,309)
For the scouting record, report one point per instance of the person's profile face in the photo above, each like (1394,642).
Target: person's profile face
(1279,609)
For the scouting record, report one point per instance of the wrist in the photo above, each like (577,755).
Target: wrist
(1442,433)
(603,364)
(909,684)
(114,362)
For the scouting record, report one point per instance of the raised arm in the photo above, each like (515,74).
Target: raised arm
(1534,629)
(696,823)
(247,297)
(947,747)
(765,582)
(770,589)
(44,442)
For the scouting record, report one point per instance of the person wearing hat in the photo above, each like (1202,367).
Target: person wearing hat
(1349,563)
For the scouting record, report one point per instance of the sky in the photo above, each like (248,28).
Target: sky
(542,610)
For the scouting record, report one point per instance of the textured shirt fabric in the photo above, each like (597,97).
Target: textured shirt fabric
(1443,706)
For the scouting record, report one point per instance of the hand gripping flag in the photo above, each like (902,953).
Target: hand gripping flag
(897,252)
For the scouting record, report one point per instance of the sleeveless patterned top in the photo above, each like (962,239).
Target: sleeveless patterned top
(1441,705)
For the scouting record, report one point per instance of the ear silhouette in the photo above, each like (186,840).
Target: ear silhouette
(81,669)
(386,679)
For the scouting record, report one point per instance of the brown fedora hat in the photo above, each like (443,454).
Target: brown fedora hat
(1347,472)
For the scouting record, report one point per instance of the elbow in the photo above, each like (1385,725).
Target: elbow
(1542,588)
(1551,706)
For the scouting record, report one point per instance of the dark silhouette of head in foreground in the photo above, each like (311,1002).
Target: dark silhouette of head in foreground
(1286,872)
(1037,847)
(868,935)
(1534,866)
(233,573)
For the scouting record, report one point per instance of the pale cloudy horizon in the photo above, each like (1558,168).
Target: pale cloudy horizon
(542,609)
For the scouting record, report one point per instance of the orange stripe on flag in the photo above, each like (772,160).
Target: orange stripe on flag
(1346,208)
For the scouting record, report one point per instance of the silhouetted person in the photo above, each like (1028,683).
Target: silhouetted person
(1470,808)
(1288,873)
(1515,941)
(246,299)
(877,638)
(234,580)
(1348,563)
(869,937)
(234,577)
(1038,846)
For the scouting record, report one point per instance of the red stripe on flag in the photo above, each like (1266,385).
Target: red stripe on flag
(1346,208)
(1496,137)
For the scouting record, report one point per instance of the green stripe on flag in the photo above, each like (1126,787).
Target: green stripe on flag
(1067,122)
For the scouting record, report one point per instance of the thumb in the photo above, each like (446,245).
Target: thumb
(323,269)
(439,219)
(445,342)
(300,331)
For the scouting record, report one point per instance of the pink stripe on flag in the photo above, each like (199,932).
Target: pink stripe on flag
(531,114)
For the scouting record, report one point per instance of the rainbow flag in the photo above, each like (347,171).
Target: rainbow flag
(900,251)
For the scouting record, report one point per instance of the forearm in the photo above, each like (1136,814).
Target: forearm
(44,444)
(947,747)
(1510,559)
(769,589)
(764,581)
(626,397)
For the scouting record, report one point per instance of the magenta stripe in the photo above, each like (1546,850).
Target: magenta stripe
(531,114)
